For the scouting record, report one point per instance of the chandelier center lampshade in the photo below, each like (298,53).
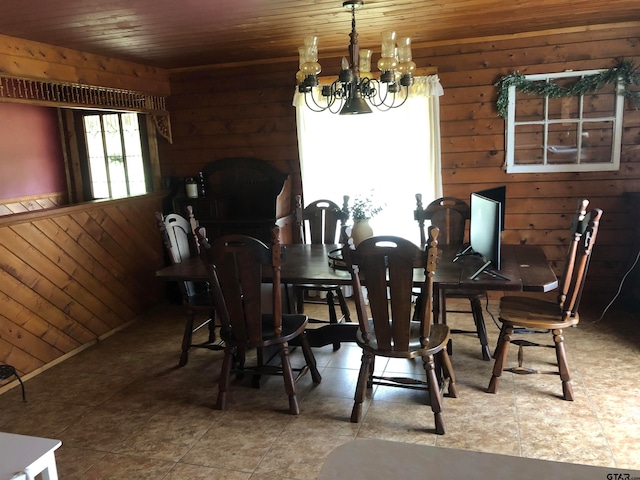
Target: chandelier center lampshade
(356,91)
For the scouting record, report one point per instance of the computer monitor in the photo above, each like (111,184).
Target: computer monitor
(486,225)
(499,194)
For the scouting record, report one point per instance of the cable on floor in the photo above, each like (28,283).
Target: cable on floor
(624,277)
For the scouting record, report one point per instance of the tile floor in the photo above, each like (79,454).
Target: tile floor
(123,410)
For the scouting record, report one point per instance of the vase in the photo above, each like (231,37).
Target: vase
(361,230)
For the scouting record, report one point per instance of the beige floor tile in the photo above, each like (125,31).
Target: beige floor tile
(118,467)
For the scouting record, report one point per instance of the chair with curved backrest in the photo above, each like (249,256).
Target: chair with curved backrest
(387,264)
(323,220)
(236,265)
(450,215)
(535,314)
(181,244)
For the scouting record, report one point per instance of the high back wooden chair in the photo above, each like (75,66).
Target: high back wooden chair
(386,265)
(450,215)
(236,265)
(321,223)
(538,314)
(180,243)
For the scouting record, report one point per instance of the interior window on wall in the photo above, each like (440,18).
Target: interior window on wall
(578,133)
(115,156)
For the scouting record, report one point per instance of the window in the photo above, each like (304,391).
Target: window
(115,160)
(395,154)
(576,133)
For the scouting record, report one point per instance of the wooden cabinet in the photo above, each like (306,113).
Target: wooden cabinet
(244,196)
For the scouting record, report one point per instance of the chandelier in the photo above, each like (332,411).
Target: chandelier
(356,89)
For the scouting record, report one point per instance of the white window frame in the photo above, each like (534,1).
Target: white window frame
(616,118)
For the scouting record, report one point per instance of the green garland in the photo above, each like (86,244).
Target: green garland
(625,71)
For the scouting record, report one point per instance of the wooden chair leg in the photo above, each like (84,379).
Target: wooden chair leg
(289,380)
(299,299)
(448,371)
(434,393)
(223,382)
(361,386)
(186,338)
(481,329)
(563,366)
(212,327)
(333,317)
(501,357)
(343,305)
(498,344)
(310,359)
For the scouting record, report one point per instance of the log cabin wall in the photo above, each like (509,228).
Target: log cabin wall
(73,275)
(246,111)
(539,206)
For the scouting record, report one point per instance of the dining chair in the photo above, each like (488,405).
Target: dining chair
(386,265)
(450,215)
(197,299)
(236,265)
(536,314)
(322,222)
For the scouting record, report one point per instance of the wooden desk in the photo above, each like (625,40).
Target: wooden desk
(525,265)
(28,455)
(371,459)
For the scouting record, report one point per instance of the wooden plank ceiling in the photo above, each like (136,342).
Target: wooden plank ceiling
(176,34)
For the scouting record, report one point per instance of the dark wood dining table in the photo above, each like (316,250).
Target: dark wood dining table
(525,266)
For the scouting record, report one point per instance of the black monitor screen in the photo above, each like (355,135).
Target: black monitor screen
(485,227)
(499,194)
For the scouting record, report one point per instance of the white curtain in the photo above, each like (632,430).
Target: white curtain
(394,154)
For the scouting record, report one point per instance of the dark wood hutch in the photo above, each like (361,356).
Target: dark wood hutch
(244,196)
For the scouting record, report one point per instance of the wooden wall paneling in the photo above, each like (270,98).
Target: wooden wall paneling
(37,60)
(215,107)
(110,247)
(67,252)
(12,355)
(48,271)
(31,313)
(55,294)
(62,290)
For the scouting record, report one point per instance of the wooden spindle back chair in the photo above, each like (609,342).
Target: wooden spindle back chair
(181,245)
(535,314)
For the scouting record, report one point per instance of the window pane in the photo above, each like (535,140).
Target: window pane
(562,146)
(95,152)
(115,156)
(564,108)
(596,142)
(133,150)
(528,144)
(601,103)
(529,108)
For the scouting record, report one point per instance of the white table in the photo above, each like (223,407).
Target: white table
(28,455)
(382,459)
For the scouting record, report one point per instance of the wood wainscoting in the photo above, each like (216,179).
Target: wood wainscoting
(70,276)
(33,203)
